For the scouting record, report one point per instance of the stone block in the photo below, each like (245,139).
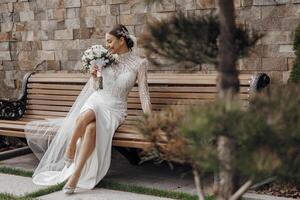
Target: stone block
(36,45)
(116,1)
(286,50)
(100,22)
(53,65)
(54,4)
(5,55)
(248,13)
(56,14)
(40,15)
(7,26)
(9,79)
(99,33)
(113,10)
(3,8)
(111,20)
(267,24)
(249,64)
(289,24)
(133,19)
(7,17)
(134,7)
(51,45)
(4,46)
(19,27)
(279,64)
(5,36)
(25,46)
(26,65)
(84,44)
(185,4)
(72,3)
(93,11)
(21,7)
(73,23)
(61,25)
(205,4)
(268,2)
(46,55)
(70,65)
(72,13)
(66,34)
(92,2)
(26,16)
(16,36)
(74,54)
(16,17)
(291,62)
(277,37)
(27,36)
(48,24)
(32,25)
(88,22)
(8,1)
(42,35)
(83,33)
(61,54)
(163,6)
(8,65)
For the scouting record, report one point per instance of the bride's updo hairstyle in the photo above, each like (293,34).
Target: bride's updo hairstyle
(119,31)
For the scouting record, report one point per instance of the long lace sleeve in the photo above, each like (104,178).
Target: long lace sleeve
(143,87)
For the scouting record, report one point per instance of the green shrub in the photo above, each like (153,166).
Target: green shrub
(295,73)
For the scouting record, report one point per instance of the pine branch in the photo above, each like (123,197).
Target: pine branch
(241,190)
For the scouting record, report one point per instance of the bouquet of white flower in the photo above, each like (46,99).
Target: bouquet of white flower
(99,56)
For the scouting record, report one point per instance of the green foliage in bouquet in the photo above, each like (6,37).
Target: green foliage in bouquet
(295,73)
(190,39)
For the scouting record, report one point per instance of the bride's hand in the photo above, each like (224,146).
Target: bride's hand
(94,71)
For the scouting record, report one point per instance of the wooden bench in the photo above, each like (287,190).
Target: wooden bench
(50,95)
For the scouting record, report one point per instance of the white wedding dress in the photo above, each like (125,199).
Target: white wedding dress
(109,105)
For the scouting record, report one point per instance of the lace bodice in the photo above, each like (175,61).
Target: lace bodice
(119,79)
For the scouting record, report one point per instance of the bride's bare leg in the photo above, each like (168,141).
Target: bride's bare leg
(81,123)
(87,148)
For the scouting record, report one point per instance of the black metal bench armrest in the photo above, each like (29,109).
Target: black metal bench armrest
(15,109)
(258,82)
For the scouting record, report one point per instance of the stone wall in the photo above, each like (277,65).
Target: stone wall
(59,30)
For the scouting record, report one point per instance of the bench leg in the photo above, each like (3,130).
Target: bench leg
(132,154)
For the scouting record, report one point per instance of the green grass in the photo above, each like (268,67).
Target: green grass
(5,196)
(13,171)
(103,184)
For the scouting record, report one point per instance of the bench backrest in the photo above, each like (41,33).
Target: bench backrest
(51,95)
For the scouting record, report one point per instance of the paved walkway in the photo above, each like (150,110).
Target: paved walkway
(147,175)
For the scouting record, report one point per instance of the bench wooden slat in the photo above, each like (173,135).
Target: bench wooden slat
(51,95)
(12,133)
(170,81)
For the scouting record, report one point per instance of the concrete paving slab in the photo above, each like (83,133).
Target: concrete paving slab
(100,194)
(17,185)
(26,162)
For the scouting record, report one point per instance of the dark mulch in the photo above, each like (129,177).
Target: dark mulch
(290,190)
(10,143)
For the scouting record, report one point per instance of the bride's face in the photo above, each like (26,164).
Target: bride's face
(113,43)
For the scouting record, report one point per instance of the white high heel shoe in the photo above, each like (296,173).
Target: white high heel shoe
(68,190)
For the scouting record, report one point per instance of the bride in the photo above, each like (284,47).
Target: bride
(78,148)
